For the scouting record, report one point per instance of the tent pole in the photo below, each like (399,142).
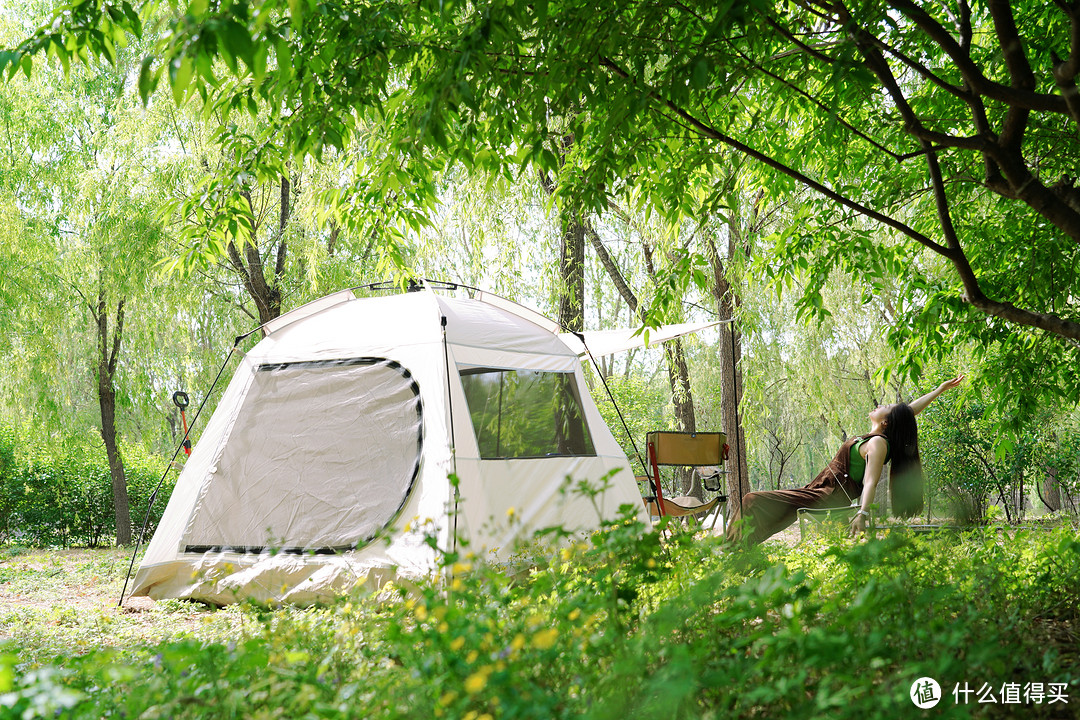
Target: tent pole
(614,404)
(453,440)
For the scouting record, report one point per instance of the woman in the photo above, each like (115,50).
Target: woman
(852,474)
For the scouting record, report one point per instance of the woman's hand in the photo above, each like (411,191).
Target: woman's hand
(918,405)
(950,384)
(858,525)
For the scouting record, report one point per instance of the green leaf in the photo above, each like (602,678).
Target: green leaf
(296,12)
(180,73)
(701,73)
(134,23)
(147,79)
(236,39)
(284,55)
(258,69)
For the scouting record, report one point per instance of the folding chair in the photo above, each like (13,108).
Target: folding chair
(705,452)
(824,515)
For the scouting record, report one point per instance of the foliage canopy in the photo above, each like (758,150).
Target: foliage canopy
(936,140)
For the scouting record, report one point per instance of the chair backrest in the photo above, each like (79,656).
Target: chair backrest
(686,449)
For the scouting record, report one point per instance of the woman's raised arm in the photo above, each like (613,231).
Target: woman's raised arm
(919,404)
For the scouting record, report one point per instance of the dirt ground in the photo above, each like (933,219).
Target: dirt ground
(59,602)
(78,578)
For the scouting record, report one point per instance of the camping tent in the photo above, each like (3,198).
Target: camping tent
(330,453)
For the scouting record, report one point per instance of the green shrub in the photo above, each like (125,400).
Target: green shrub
(60,493)
(628,623)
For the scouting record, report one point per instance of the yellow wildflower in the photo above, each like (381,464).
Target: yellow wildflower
(457,643)
(574,614)
(545,638)
(448,698)
(477,681)
(518,642)
(471,657)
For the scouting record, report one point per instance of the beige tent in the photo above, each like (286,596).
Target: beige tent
(342,427)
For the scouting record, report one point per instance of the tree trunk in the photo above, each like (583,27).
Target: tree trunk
(108,353)
(678,374)
(731,383)
(572,272)
(1051,491)
(682,399)
(570,425)
(248,261)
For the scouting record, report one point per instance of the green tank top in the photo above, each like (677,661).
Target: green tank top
(858,462)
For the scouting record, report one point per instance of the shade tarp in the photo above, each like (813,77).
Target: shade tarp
(608,342)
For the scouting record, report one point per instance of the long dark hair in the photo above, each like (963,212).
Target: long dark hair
(905,474)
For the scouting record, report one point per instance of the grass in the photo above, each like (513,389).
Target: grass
(626,625)
(58,603)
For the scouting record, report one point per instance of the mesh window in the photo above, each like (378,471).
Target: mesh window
(322,456)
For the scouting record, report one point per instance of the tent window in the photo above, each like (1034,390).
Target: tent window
(526,413)
(322,456)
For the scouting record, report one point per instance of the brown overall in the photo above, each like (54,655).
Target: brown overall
(770,511)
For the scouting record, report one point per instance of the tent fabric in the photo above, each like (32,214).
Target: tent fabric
(327,460)
(358,418)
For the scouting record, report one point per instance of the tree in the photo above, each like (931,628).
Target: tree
(968,162)
(86,219)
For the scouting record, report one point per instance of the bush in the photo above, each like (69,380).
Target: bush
(60,494)
(628,624)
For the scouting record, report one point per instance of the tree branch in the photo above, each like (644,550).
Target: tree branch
(286,211)
(973,292)
(1016,119)
(1065,71)
(790,36)
(118,334)
(612,269)
(979,83)
(714,134)
(822,106)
